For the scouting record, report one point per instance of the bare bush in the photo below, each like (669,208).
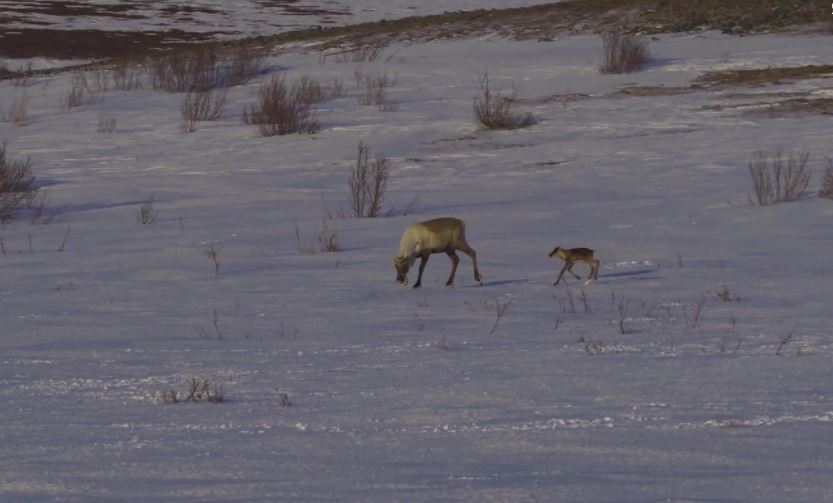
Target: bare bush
(367,183)
(623,52)
(127,77)
(336,88)
(77,94)
(496,110)
(17,186)
(280,110)
(309,90)
(106,123)
(775,179)
(146,214)
(826,189)
(375,93)
(100,81)
(198,390)
(203,69)
(202,106)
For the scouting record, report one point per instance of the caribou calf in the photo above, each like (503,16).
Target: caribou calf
(571,256)
(440,235)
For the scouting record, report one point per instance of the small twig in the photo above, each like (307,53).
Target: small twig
(215,319)
(500,309)
(64,242)
(784,342)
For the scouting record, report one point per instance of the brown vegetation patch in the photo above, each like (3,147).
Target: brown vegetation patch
(764,76)
(654,90)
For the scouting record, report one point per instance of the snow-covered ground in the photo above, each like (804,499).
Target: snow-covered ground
(425,395)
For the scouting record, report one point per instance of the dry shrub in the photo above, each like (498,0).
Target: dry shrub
(127,77)
(146,214)
(281,110)
(375,93)
(826,189)
(77,94)
(775,179)
(17,186)
(367,183)
(18,111)
(203,69)
(202,106)
(496,111)
(100,81)
(329,241)
(309,90)
(623,52)
(214,257)
(199,390)
(106,123)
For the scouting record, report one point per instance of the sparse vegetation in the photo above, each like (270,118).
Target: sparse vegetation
(203,69)
(775,179)
(198,390)
(329,241)
(211,252)
(724,295)
(127,77)
(280,110)
(763,76)
(623,52)
(367,183)
(107,123)
(77,94)
(496,110)
(375,93)
(18,111)
(17,185)
(146,214)
(202,106)
(826,189)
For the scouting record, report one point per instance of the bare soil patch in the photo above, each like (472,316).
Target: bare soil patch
(90,44)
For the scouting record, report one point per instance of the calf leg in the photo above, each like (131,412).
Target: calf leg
(570,270)
(454,261)
(561,273)
(422,263)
